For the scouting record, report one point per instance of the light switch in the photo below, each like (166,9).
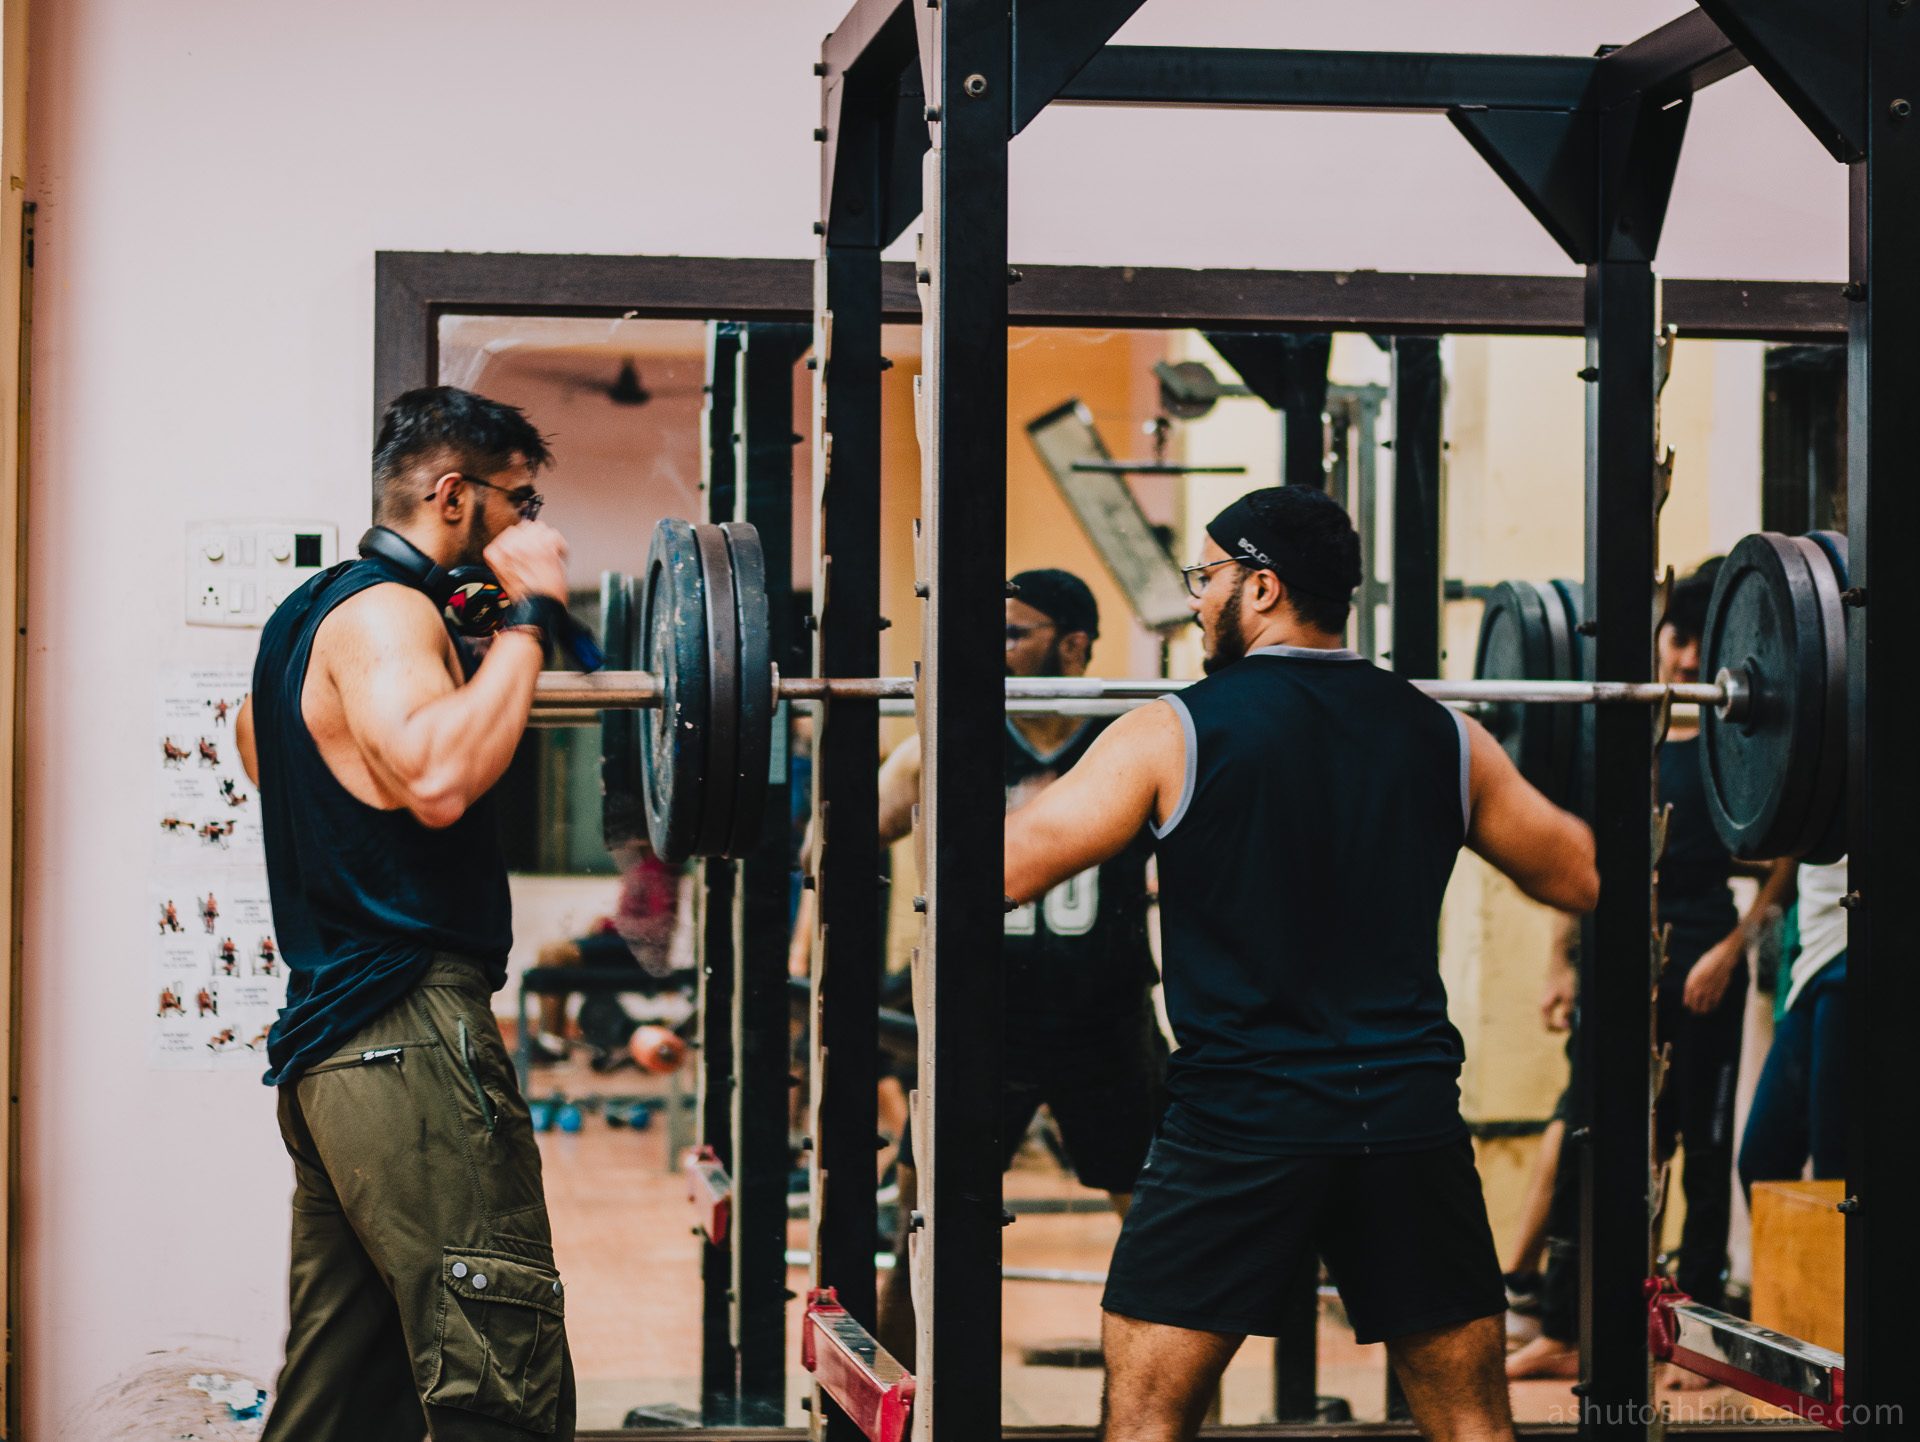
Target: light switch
(233,565)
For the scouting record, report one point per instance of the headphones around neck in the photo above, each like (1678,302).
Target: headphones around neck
(471,597)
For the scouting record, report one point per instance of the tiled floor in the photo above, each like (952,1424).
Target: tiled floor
(623,1235)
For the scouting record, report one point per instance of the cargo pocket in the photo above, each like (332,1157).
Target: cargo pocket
(502,1338)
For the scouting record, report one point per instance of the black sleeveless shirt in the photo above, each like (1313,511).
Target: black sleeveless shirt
(1300,885)
(1079,956)
(1694,894)
(362,898)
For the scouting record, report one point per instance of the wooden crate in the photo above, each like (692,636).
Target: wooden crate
(1799,1261)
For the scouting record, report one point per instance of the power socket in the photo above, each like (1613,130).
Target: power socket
(238,572)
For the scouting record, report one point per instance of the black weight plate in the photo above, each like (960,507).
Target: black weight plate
(1759,772)
(673,735)
(623,815)
(1830,795)
(1517,644)
(755,754)
(723,691)
(1569,722)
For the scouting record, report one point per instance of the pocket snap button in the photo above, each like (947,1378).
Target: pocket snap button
(479,1280)
(556,1289)
(459,1269)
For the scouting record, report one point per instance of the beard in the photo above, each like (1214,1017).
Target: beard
(1229,641)
(1050,664)
(473,553)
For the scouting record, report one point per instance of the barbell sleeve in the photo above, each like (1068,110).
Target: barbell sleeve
(582,694)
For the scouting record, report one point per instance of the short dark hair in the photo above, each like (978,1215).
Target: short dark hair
(1322,534)
(1062,597)
(434,422)
(1687,607)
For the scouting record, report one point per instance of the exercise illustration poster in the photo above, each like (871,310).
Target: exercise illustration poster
(207,809)
(215,979)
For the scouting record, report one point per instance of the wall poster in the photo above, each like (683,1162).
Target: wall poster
(215,978)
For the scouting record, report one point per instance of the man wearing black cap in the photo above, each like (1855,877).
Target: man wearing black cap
(1081,1034)
(1308,809)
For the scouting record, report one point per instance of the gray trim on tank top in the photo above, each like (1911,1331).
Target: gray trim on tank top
(1020,740)
(1466,770)
(1192,745)
(1307,653)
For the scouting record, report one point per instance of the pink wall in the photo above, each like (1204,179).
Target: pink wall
(213,178)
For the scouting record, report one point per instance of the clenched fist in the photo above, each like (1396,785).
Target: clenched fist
(530,559)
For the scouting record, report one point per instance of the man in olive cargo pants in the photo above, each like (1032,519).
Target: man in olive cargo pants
(422,1259)
(424,1297)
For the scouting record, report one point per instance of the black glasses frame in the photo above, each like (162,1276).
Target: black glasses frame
(529,504)
(1189,573)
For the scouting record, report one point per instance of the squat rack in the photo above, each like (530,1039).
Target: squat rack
(920,99)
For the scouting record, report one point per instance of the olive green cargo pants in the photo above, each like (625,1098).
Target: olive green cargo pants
(424,1296)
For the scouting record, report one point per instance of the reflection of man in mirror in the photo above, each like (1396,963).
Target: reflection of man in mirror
(1082,1037)
(1700,1014)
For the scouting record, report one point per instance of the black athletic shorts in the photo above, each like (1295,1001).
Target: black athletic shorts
(1104,1085)
(1215,1235)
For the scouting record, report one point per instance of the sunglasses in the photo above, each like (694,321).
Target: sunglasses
(526,498)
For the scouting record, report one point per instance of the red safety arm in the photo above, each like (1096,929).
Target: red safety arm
(1798,1376)
(710,1190)
(856,1371)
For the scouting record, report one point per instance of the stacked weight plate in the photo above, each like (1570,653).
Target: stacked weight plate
(694,767)
(1528,633)
(621,817)
(1775,760)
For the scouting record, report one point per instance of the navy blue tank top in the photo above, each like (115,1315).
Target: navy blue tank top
(362,898)
(1300,885)
(1077,958)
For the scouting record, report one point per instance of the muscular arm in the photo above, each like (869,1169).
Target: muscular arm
(430,745)
(899,790)
(1707,981)
(1546,852)
(1131,775)
(243,738)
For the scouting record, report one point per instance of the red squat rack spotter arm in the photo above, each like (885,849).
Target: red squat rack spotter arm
(856,1371)
(711,1192)
(1762,1363)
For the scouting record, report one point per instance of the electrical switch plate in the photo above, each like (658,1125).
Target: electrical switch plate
(238,572)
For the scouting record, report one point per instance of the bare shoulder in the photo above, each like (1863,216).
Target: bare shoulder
(387,621)
(1149,737)
(1149,727)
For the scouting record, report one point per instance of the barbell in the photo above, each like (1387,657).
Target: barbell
(687,705)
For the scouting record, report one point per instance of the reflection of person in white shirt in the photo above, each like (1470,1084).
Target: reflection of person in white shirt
(1799,1107)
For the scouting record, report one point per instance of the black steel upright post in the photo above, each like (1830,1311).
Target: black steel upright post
(763,495)
(1616,1031)
(1418,521)
(1883,516)
(844,866)
(719,1367)
(967,59)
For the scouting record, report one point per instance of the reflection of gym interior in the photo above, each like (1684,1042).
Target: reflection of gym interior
(839,316)
(614,1080)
